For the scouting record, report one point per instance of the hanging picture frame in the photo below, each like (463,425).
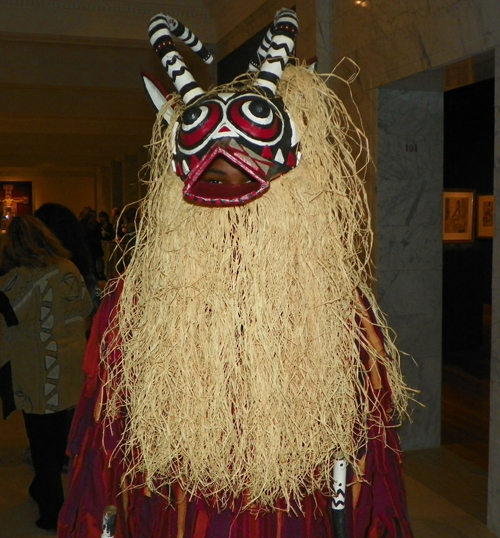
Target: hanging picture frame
(486,216)
(458,216)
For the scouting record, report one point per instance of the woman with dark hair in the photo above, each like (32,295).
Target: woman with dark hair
(45,349)
(63,223)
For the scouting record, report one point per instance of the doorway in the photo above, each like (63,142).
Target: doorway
(467,275)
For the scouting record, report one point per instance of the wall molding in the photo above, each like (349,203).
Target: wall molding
(142,8)
(108,42)
(59,39)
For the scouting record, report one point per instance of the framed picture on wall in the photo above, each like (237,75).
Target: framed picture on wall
(458,216)
(485,216)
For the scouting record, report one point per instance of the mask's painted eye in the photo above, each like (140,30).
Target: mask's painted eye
(197,124)
(191,115)
(260,108)
(256,119)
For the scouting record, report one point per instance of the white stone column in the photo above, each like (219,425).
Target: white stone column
(409,253)
(315,32)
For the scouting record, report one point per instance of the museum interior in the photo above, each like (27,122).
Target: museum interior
(420,79)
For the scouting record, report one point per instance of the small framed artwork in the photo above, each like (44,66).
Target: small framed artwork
(485,216)
(458,216)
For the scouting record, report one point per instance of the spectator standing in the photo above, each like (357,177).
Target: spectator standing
(45,349)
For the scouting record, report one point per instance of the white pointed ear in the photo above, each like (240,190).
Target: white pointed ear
(158,95)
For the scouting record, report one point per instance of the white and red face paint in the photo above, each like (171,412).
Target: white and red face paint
(252,130)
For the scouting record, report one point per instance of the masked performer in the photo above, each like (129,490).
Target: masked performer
(242,357)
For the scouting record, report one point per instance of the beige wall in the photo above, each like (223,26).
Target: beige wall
(115,19)
(71,187)
(392,40)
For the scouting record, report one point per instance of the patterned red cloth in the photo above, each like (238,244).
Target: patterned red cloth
(96,473)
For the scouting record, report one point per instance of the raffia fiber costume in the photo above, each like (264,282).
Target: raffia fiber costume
(242,352)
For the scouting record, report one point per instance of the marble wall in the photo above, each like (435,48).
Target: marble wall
(72,187)
(409,254)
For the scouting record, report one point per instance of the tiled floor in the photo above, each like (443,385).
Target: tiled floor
(433,516)
(446,486)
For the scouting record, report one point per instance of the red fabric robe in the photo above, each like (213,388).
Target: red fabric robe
(375,508)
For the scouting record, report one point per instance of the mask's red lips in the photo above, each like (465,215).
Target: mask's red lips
(214,194)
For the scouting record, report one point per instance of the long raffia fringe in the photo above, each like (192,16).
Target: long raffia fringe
(241,372)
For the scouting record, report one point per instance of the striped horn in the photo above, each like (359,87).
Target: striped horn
(191,40)
(261,53)
(281,48)
(161,39)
